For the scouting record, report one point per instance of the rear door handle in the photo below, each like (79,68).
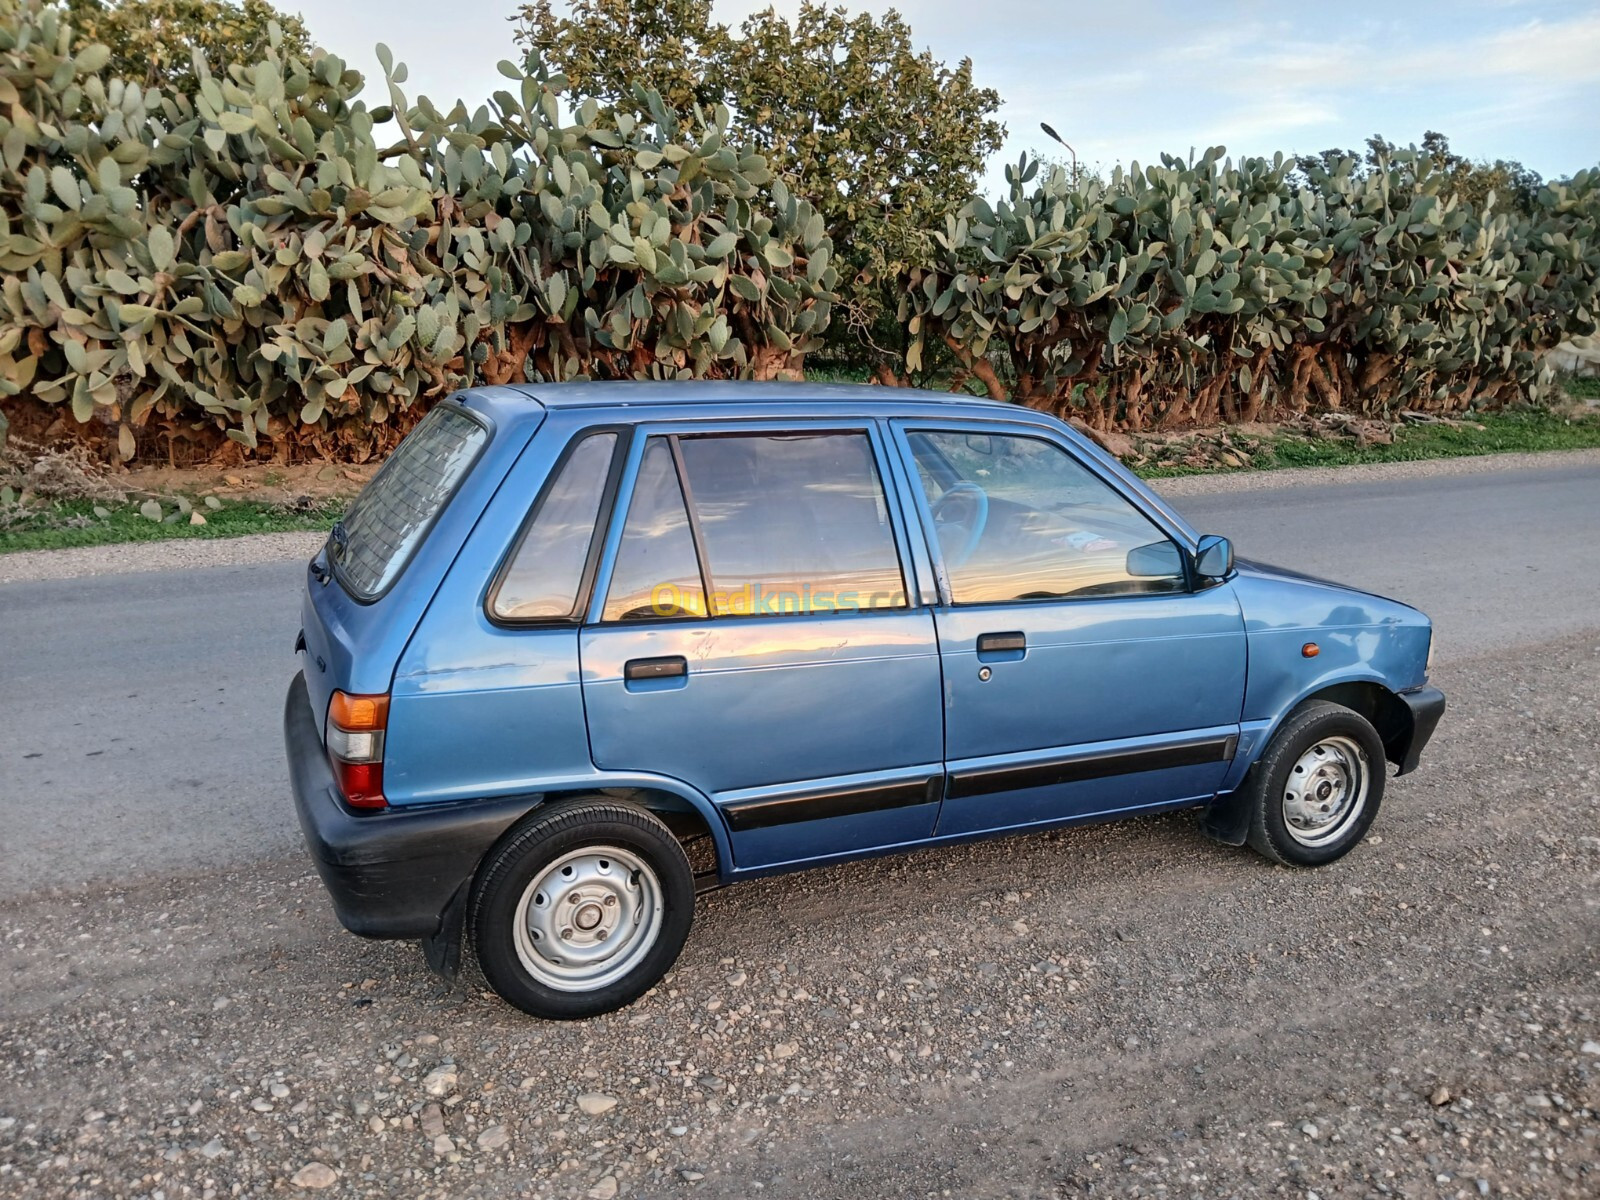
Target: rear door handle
(655,668)
(1001,643)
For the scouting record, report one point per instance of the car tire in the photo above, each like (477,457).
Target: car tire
(582,909)
(1315,791)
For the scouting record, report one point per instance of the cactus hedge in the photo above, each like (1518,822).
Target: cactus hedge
(258,260)
(1208,291)
(272,261)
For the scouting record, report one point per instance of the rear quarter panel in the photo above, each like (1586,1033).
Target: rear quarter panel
(479,709)
(355,647)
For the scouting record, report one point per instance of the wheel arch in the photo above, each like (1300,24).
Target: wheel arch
(1226,817)
(690,816)
(1381,706)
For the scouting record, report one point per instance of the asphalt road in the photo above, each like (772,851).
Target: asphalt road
(147,739)
(1115,1010)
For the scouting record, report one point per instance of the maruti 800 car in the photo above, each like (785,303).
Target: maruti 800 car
(579,651)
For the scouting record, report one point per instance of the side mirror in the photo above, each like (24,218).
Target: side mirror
(1213,558)
(1156,560)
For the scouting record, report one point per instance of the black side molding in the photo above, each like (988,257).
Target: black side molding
(985,781)
(816,806)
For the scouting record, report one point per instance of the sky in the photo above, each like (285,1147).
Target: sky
(1125,81)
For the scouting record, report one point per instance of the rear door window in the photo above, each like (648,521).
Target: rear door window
(768,524)
(393,513)
(792,523)
(657,572)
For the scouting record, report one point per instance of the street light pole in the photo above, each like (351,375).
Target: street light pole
(1052,133)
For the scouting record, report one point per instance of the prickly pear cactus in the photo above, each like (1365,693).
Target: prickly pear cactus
(1206,291)
(262,260)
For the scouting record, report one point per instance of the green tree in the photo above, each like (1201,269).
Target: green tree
(1514,185)
(153,41)
(882,139)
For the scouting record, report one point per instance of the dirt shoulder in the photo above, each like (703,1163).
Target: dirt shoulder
(1125,1009)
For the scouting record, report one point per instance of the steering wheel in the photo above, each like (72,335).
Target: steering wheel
(976,501)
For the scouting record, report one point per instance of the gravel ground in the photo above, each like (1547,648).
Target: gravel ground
(123,558)
(1122,1010)
(272,547)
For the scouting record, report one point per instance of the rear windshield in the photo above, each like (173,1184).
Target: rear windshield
(391,516)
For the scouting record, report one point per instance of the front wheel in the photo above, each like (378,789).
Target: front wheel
(582,910)
(1314,793)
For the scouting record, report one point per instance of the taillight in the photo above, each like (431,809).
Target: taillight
(355,747)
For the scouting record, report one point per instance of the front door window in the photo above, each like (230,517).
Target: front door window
(1017,518)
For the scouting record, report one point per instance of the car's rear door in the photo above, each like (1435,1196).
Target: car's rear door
(752,636)
(1078,680)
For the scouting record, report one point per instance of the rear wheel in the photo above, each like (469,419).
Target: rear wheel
(582,910)
(1315,791)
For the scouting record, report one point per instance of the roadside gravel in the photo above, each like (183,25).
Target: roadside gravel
(1124,1010)
(122,558)
(128,557)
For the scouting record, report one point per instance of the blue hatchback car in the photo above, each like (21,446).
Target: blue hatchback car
(579,651)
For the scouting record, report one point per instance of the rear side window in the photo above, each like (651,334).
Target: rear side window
(392,515)
(546,573)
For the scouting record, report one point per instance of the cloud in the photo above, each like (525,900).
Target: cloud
(1125,81)
(1501,81)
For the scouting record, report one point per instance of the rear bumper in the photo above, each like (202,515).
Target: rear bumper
(1427,706)
(390,873)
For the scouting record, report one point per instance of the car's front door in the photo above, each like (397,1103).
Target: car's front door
(1085,671)
(753,636)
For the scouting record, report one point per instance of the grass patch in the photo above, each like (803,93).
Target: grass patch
(59,524)
(1501,433)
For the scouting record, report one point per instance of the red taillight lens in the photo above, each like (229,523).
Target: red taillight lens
(356,726)
(361,784)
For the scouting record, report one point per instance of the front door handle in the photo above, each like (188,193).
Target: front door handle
(1002,643)
(670,667)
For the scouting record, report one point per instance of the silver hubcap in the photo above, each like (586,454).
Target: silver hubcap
(588,918)
(1327,789)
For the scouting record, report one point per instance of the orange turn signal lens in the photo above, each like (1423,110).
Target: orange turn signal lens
(1310,650)
(358,713)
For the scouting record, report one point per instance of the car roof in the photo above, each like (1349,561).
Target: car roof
(629,393)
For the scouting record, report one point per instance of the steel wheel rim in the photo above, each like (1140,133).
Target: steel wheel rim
(588,918)
(1326,790)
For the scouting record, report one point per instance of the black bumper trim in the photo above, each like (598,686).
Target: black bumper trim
(1427,706)
(390,873)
